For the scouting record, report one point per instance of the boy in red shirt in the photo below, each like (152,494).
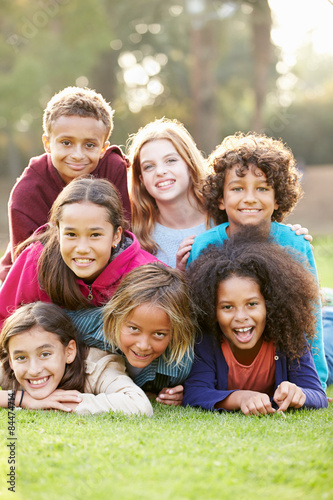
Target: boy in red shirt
(77,124)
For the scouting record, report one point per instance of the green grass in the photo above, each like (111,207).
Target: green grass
(180,453)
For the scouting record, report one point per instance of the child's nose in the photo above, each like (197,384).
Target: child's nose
(241,314)
(35,367)
(143,342)
(161,168)
(82,246)
(250,195)
(77,152)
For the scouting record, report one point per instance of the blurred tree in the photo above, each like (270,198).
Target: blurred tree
(208,63)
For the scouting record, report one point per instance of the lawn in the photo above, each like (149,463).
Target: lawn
(180,453)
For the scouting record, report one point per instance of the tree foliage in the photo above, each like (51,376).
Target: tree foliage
(208,63)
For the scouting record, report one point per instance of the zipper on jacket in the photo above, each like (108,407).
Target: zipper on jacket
(90,294)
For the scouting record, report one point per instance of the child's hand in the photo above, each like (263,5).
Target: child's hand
(171,396)
(255,403)
(301,230)
(289,395)
(183,253)
(58,400)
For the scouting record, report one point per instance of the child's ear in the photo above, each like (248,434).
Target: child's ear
(46,143)
(117,237)
(276,206)
(221,204)
(105,147)
(70,351)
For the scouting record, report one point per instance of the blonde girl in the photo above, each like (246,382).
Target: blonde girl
(150,321)
(166,176)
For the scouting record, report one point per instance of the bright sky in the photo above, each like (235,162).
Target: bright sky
(297,20)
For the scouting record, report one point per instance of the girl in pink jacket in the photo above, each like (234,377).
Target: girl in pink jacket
(79,258)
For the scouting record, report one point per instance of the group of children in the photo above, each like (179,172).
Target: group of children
(237,326)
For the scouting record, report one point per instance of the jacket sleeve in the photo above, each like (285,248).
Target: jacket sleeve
(207,383)
(110,387)
(21,285)
(305,376)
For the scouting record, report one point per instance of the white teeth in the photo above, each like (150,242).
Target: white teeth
(242,330)
(83,261)
(39,381)
(249,211)
(165,183)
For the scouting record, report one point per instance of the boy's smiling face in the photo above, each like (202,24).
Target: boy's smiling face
(76,144)
(247,200)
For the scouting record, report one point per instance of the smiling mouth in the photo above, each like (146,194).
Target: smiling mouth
(141,356)
(244,335)
(250,210)
(165,183)
(38,381)
(83,261)
(77,165)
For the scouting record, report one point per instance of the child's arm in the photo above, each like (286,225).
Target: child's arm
(249,402)
(207,383)
(21,285)
(303,374)
(183,253)
(58,400)
(111,388)
(171,395)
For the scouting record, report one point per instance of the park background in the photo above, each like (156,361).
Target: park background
(219,67)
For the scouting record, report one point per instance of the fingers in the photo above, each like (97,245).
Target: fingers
(258,404)
(171,396)
(183,252)
(289,395)
(299,230)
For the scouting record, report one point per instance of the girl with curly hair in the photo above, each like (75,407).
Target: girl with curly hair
(255,182)
(257,304)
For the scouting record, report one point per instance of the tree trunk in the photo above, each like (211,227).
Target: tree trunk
(261,21)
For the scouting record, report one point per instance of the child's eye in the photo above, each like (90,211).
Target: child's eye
(147,167)
(90,145)
(160,335)
(133,329)
(20,358)
(263,189)
(226,308)
(66,143)
(70,235)
(171,160)
(45,354)
(95,235)
(237,189)
(253,304)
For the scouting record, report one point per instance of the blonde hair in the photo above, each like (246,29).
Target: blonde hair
(76,101)
(144,207)
(160,286)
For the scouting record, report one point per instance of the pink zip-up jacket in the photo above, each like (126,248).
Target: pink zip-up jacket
(22,286)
